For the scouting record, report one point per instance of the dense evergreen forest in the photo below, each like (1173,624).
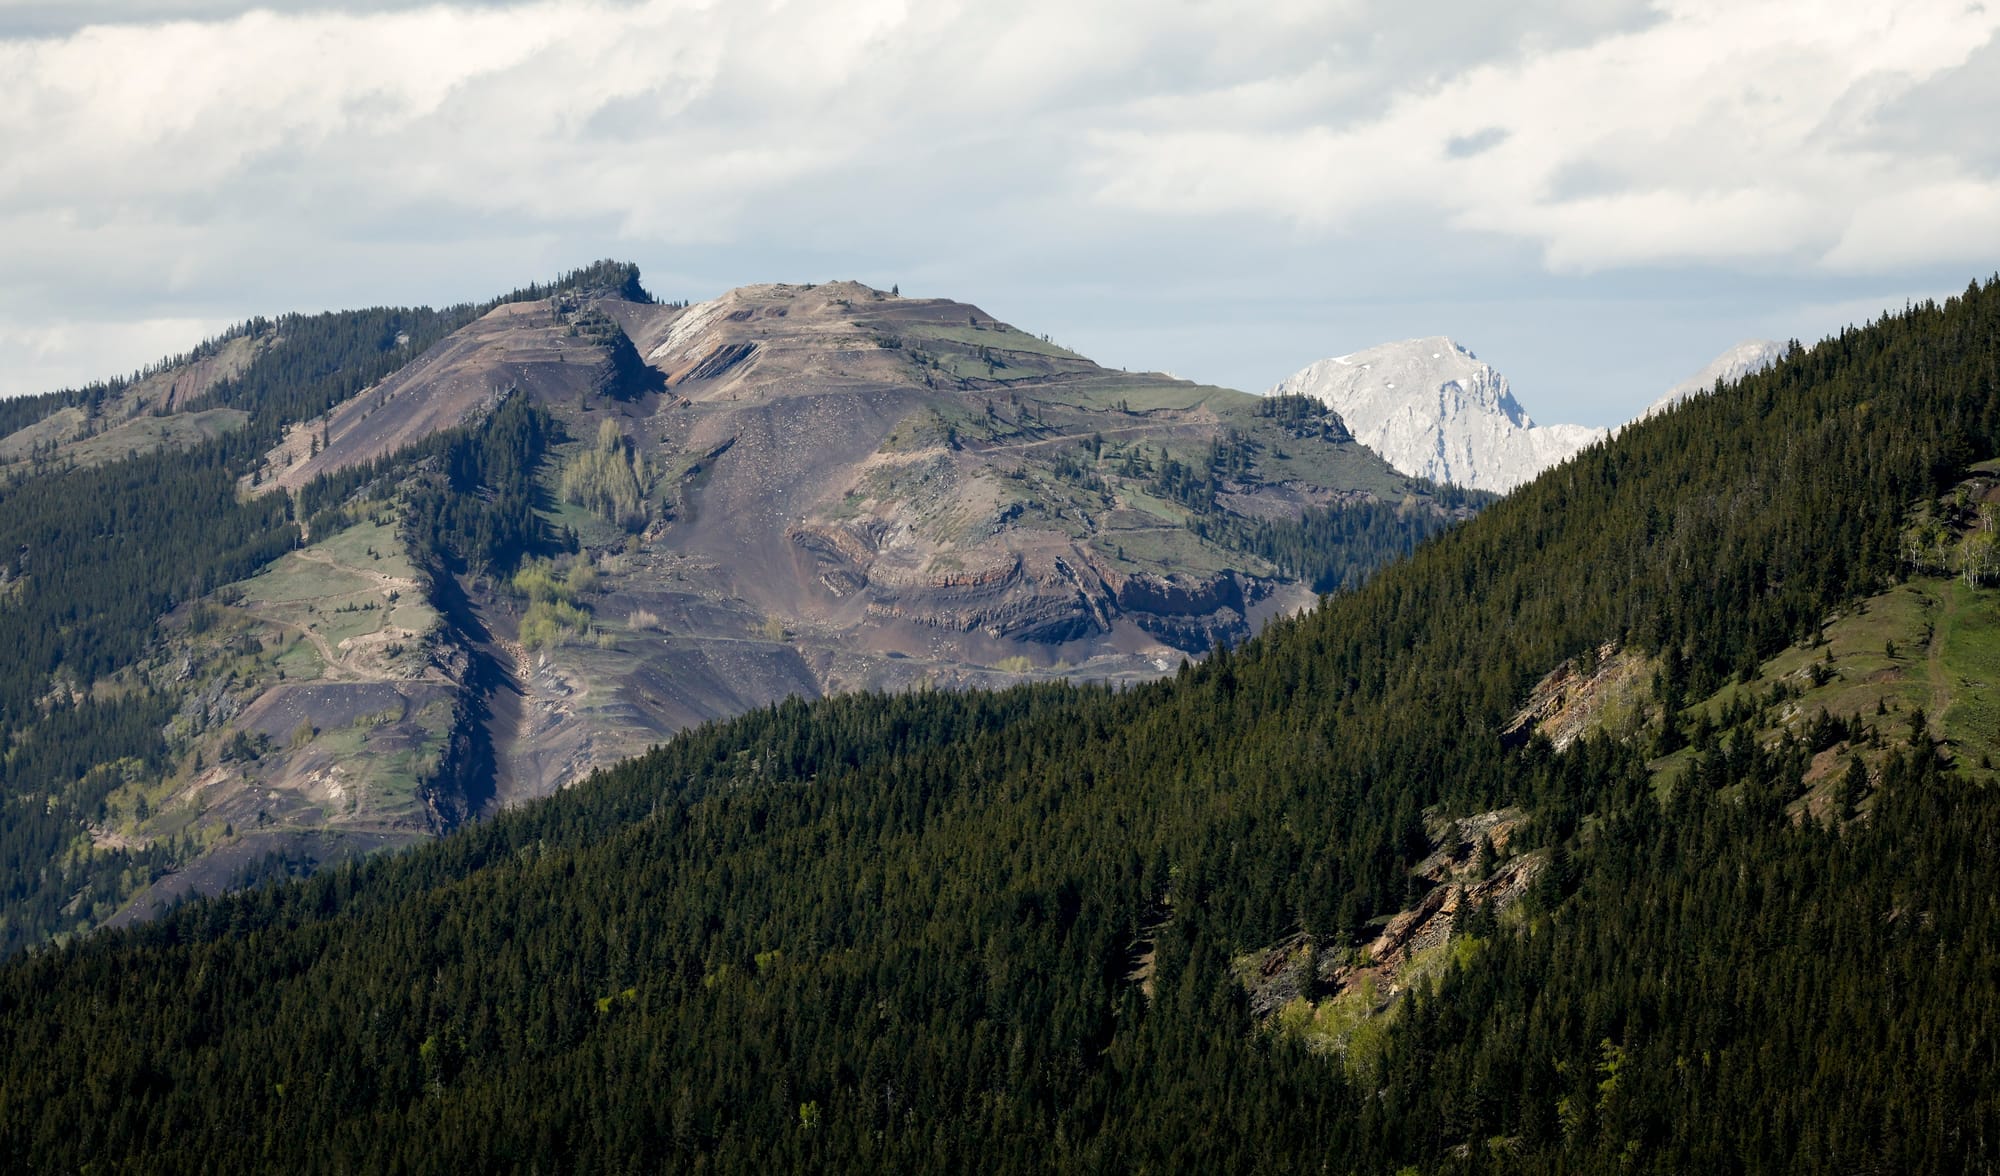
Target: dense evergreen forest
(1336,548)
(899,932)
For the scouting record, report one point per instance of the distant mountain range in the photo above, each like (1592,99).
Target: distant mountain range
(1434,410)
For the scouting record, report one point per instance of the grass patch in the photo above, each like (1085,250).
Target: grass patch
(298,661)
(144,434)
(993,338)
(924,429)
(1877,657)
(1123,393)
(294,580)
(1355,1024)
(1969,637)
(1167,549)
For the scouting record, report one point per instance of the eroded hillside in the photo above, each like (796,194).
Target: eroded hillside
(785,491)
(811,489)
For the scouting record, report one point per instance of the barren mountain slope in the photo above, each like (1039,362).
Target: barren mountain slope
(800,489)
(788,490)
(844,490)
(547,348)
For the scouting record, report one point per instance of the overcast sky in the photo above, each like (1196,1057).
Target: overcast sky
(1596,196)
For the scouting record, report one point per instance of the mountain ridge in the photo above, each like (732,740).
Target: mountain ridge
(1742,359)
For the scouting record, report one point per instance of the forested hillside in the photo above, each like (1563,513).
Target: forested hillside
(908,931)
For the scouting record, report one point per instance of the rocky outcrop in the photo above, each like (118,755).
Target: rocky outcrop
(1462,879)
(1176,595)
(717,361)
(1038,597)
(1581,695)
(1048,600)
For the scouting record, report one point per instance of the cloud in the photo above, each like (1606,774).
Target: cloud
(1925,221)
(50,18)
(1467,146)
(667,117)
(211,159)
(1721,132)
(41,355)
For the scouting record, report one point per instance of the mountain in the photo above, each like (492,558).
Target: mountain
(1744,359)
(1432,409)
(335,583)
(1642,823)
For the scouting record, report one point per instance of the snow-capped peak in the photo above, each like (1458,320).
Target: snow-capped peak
(1746,358)
(1431,408)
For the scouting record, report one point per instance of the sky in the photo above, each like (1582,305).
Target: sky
(1596,196)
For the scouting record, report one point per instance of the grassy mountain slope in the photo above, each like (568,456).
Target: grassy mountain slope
(903,931)
(106,549)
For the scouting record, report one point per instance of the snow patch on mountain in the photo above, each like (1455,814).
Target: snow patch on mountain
(1431,408)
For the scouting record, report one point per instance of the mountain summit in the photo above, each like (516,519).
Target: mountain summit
(337,582)
(1432,409)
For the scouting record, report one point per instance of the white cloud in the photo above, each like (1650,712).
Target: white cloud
(1723,132)
(41,355)
(328,113)
(1923,222)
(164,159)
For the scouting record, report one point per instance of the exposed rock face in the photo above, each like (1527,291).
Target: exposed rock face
(1180,596)
(1432,409)
(1745,359)
(1460,880)
(1603,690)
(1050,593)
